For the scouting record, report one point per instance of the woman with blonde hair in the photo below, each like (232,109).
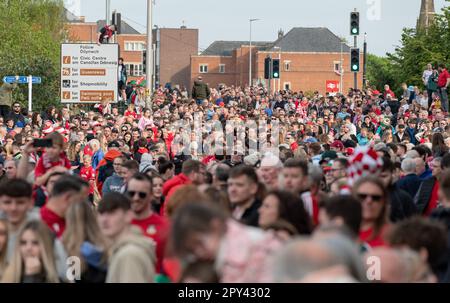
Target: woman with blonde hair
(83,239)
(33,259)
(3,245)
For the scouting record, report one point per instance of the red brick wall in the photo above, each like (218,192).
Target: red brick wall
(308,71)
(82,32)
(213,77)
(177,46)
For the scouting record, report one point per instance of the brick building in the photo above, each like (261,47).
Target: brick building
(308,58)
(173,48)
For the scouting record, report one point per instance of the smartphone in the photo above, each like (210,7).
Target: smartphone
(42,143)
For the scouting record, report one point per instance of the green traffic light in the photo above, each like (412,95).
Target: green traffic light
(355,67)
(275,75)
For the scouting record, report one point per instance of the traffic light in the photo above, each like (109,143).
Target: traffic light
(276,68)
(144,61)
(117,21)
(354,23)
(354,59)
(267,63)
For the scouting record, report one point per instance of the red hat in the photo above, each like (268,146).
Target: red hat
(350,151)
(337,144)
(364,162)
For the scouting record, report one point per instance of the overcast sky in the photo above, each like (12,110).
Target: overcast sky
(383,20)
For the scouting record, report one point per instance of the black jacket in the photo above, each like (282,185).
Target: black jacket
(251,214)
(410,184)
(423,196)
(402,205)
(442,270)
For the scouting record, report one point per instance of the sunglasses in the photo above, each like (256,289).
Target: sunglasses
(131,194)
(374,198)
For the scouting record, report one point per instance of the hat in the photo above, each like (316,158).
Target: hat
(411,88)
(311,140)
(113,144)
(364,162)
(48,127)
(337,144)
(271,160)
(146,163)
(252,159)
(328,156)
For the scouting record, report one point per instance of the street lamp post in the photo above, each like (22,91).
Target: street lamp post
(149,67)
(250,60)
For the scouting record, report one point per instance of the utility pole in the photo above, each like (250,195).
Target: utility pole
(250,60)
(149,65)
(365,62)
(341,71)
(108,12)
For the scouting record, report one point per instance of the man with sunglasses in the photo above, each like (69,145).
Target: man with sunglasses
(139,191)
(16,115)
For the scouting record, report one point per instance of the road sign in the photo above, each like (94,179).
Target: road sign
(332,86)
(89,73)
(21,79)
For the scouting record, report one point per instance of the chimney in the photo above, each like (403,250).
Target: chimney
(82,19)
(280,33)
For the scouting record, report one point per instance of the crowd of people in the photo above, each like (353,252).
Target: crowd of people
(150,194)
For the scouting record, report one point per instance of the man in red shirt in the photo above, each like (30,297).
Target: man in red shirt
(67,190)
(443,83)
(139,190)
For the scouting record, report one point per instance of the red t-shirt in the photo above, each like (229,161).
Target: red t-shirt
(443,76)
(88,174)
(156,228)
(378,241)
(54,221)
(45,164)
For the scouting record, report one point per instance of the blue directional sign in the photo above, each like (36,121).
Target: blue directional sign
(21,79)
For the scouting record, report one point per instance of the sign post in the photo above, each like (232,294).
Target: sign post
(89,73)
(24,80)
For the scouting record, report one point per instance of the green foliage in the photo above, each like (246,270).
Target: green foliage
(32,31)
(418,48)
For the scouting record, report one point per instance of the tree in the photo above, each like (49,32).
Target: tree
(417,49)
(31,34)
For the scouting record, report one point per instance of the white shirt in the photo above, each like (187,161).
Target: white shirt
(426,75)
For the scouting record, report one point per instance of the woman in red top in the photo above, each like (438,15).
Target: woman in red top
(53,159)
(372,195)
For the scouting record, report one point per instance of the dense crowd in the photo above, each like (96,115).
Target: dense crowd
(318,190)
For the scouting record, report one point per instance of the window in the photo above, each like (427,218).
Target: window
(287,65)
(287,85)
(134,46)
(203,68)
(222,68)
(337,66)
(135,69)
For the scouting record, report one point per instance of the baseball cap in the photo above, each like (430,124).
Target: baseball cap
(328,156)
(311,140)
(113,144)
(337,144)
